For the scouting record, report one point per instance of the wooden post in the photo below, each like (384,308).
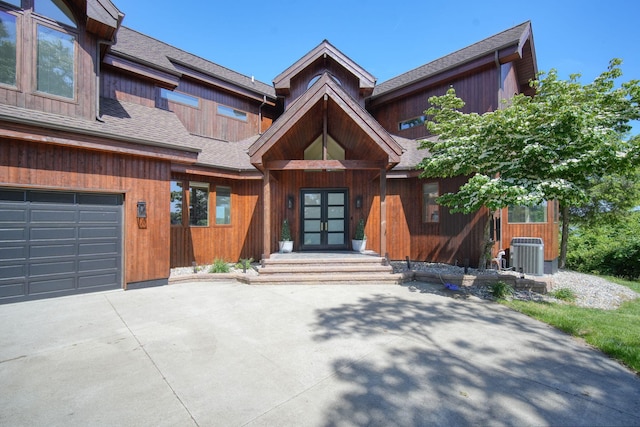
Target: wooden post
(266,214)
(383,211)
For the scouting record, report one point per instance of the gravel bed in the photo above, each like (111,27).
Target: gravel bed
(591,291)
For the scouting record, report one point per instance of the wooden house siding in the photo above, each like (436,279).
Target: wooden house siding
(300,83)
(126,87)
(479,91)
(549,232)
(240,239)
(25,93)
(453,239)
(26,164)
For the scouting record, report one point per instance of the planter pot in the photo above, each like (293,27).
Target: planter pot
(286,246)
(359,245)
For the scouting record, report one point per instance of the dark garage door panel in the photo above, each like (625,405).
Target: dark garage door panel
(54,244)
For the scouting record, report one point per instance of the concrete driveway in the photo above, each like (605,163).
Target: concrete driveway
(226,354)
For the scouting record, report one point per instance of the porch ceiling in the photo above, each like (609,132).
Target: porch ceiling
(347,122)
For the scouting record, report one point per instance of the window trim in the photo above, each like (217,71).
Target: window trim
(182,203)
(546,214)
(201,185)
(428,217)
(179,97)
(230,113)
(224,224)
(63,30)
(18,21)
(418,120)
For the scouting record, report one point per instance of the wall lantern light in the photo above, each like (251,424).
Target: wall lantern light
(358,202)
(290,202)
(142,210)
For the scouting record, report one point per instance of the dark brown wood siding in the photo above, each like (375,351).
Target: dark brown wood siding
(453,239)
(240,239)
(25,93)
(479,91)
(30,165)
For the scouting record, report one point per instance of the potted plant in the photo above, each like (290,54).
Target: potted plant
(359,241)
(285,243)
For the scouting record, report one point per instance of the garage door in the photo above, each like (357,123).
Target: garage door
(55,243)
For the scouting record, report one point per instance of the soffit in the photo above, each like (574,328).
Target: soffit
(347,122)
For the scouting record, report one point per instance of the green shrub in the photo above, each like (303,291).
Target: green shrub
(608,249)
(219,266)
(244,264)
(564,294)
(501,290)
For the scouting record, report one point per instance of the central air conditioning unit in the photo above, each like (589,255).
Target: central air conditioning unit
(527,255)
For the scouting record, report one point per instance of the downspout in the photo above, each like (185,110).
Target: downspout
(105,42)
(264,101)
(499,73)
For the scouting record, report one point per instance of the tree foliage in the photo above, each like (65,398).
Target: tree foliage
(546,147)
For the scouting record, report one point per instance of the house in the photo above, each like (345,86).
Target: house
(122,156)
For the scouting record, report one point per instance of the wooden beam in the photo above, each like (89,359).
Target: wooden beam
(383,211)
(326,164)
(266,214)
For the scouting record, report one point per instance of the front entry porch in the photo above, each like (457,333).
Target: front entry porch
(336,267)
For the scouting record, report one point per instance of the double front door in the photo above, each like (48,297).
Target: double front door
(324,219)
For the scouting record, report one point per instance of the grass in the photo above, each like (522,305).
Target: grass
(615,332)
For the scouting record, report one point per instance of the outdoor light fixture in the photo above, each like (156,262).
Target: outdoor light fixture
(142,210)
(290,202)
(358,202)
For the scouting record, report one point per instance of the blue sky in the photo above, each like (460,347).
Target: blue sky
(387,38)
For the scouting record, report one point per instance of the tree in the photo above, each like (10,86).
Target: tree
(544,147)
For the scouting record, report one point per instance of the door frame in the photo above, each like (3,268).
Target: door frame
(324,246)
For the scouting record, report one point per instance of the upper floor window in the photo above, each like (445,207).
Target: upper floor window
(54,47)
(56,10)
(430,208)
(179,97)
(8,61)
(411,123)
(56,62)
(231,112)
(528,214)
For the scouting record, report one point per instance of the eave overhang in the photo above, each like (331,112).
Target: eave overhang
(305,114)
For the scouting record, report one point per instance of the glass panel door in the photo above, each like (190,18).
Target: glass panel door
(324,216)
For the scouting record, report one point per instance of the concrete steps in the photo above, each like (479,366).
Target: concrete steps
(319,268)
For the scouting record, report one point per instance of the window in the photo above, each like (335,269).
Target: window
(230,112)
(430,208)
(7,49)
(56,62)
(528,214)
(54,47)
(179,97)
(223,205)
(411,123)
(177,196)
(198,204)
(56,10)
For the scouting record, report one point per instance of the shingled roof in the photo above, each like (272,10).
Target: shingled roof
(510,37)
(138,47)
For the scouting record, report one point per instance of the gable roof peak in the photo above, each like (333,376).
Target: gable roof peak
(323,50)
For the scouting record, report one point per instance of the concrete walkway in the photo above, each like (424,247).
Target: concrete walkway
(227,354)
